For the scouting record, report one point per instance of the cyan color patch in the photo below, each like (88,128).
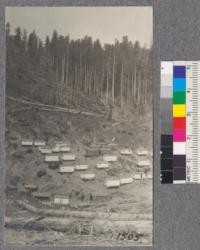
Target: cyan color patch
(179,84)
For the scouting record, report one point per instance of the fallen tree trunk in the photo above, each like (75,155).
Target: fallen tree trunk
(84,214)
(46,107)
(66,224)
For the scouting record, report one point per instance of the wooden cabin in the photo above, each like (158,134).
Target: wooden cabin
(42,195)
(145,163)
(88,176)
(51,158)
(65,149)
(126,151)
(39,143)
(81,167)
(137,176)
(102,165)
(110,158)
(142,152)
(45,150)
(66,169)
(112,183)
(31,187)
(126,180)
(68,157)
(60,200)
(56,149)
(61,144)
(27,143)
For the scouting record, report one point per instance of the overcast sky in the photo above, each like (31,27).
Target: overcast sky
(105,23)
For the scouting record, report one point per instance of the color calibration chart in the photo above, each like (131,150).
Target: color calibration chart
(180,122)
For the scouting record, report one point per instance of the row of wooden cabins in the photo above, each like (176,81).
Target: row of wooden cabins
(37,143)
(94,150)
(55,199)
(70,169)
(44,149)
(91,176)
(64,200)
(63,147)
(118,182)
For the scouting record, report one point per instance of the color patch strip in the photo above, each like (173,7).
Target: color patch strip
(179,124)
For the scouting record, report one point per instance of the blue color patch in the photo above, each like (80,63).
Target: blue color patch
(179,84)
(179,71)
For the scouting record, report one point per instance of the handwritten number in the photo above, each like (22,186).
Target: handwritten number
(129,236)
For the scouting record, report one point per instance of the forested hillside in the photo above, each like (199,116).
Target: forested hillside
(85,107)
(60,70)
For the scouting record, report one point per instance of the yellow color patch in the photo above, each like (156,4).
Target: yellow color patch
(179,110)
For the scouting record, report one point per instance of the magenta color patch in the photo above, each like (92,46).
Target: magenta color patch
(179,135)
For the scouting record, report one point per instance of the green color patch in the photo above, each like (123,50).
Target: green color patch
(179,97)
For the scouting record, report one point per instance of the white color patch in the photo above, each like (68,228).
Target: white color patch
(179,181)
(179,148)
(166,68)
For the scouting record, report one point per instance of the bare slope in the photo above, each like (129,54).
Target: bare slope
(23,164)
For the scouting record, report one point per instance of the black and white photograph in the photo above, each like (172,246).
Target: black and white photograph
(79,126)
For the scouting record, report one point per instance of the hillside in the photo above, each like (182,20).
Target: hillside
(79,131)
(96,100)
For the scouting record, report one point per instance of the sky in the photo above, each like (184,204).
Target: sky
(105,23)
